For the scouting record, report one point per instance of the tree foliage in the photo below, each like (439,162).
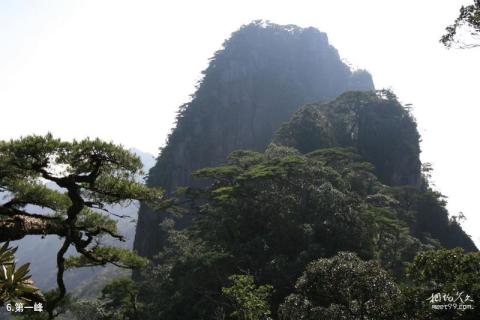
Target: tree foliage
(269,215)
(250,301)
(120,299)
(439,274)
(373,123)
(263,73)
(342,287)
(89,175)
(465,31)
(15,283)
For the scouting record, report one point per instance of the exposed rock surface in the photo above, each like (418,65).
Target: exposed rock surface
(254,84)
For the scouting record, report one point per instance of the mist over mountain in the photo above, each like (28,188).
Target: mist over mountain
(263,73)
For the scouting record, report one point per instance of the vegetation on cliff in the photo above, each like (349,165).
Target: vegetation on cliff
(385,134)
(263,73)
(373,123)
(283,217)
(328,217)
(464,33)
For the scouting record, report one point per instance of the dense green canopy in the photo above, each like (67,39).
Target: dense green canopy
(270,214)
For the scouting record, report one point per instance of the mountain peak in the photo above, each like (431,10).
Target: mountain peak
(263,74)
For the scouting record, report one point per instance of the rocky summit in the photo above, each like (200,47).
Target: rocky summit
(260,77)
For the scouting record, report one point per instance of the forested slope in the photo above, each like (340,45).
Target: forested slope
(334,220)
(263,73)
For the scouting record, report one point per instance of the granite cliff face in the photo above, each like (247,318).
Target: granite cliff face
(255,83)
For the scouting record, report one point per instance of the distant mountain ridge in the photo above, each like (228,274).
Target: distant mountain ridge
(262,75)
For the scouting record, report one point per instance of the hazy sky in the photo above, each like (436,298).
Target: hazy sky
(119,69)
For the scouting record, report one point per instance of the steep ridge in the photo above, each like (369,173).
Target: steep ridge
(375,124)
(261,76)
(385,134)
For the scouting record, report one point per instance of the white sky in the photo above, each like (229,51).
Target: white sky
(120,69)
